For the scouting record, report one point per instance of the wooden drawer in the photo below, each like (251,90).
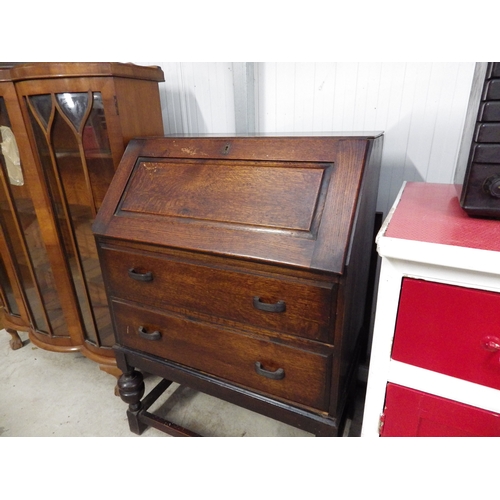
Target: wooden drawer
(450,330)
(302,375)
(411,413)
(303,308)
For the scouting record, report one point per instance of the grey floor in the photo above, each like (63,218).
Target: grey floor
(44,394)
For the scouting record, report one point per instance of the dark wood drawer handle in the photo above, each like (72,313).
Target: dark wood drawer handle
(276,375)
(156,335)
(278,307)
(148,276)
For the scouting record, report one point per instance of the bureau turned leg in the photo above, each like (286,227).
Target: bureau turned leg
(131,388)
(15,342)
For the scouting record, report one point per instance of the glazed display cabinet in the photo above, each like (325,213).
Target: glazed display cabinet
(16,214)
(71,123)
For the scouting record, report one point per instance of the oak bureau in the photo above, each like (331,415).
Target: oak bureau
(238,266)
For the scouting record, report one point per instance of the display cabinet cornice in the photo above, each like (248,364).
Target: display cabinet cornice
(72,122)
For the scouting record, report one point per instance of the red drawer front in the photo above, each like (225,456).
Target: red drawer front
(450,330)
(411,413)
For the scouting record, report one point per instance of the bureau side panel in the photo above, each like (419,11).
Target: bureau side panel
(353,301)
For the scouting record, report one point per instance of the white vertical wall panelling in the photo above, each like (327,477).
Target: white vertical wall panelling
(450,120)
(197,98)
(304,97)
(285,93)
(268,99)
(193,98)
(323,89)
(367,90)
(244,97)
(400,83)
(391,82)
(344,97)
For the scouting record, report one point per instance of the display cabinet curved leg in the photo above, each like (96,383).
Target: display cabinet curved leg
(15,342)
(131,389)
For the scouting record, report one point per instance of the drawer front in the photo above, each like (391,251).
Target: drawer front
(287,372)
(490,112)
(450,330)
(411,413)
(493,90)
(488,132)
(294,307)
(487,153)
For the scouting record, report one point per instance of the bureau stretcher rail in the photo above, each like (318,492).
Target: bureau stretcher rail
(142,418)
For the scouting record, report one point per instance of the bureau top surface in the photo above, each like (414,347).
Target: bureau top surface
(431,213)
(287,200)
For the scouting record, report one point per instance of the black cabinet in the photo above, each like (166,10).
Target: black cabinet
(477,176)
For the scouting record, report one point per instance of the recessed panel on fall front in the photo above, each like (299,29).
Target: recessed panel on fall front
(243,194)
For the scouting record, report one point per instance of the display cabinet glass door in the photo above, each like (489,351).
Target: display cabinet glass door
(74,151)
(7,297)
(23,248)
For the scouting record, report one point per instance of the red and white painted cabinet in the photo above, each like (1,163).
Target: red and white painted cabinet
(435,358)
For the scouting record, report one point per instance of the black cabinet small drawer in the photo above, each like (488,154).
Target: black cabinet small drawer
(495,69)
(487,153)
(492,91)
(488,132)
(490,112)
